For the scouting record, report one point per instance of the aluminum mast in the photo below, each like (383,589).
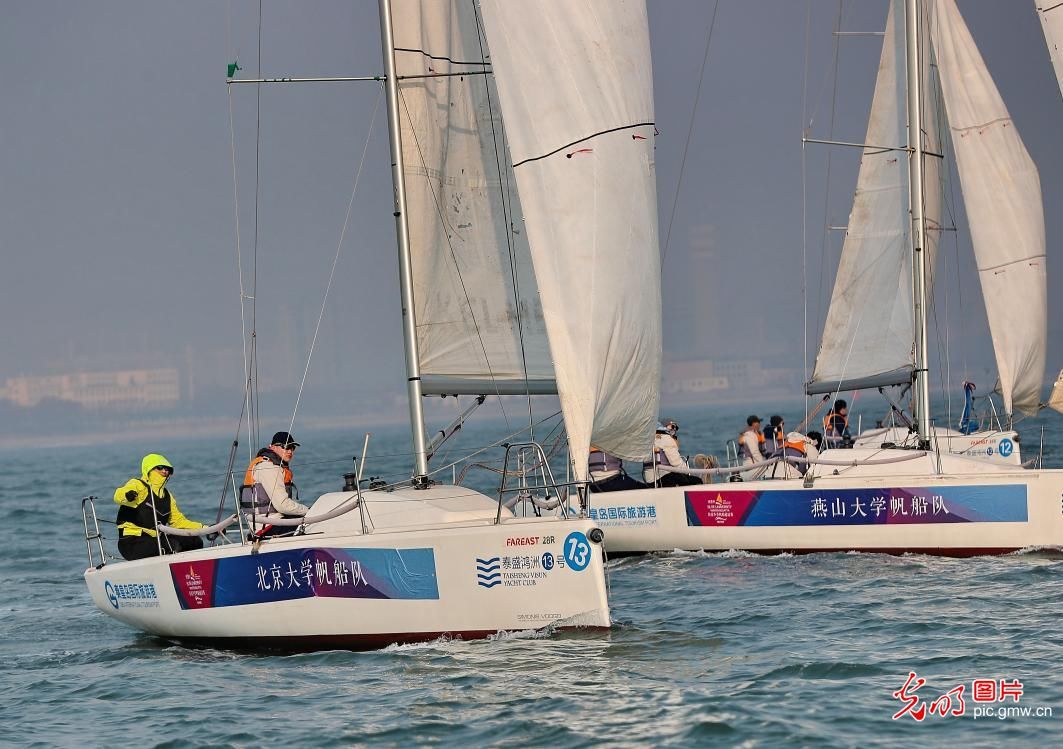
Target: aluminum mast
(921,387)
(409,322)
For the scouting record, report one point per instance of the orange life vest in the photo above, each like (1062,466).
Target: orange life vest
(253,496)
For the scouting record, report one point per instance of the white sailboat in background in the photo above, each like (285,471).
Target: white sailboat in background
(424,560)
(871,337)
(1051,15)
(896,500)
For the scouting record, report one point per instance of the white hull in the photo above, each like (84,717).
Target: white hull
(970,508)
(468,578)
(994,446)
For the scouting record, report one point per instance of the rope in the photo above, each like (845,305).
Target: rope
(240,275)
(507,213)
(204,531)
(253,413)
(348,504)
(690,132)
(335,260)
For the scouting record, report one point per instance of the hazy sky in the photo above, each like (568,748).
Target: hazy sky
(116,176)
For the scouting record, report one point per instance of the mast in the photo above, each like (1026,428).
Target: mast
(921,385)
(402,231)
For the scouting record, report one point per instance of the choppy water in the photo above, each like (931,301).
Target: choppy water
(707,650)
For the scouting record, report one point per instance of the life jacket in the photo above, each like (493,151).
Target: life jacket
(797,448)
(603,462)
(144,514)
(659,456)
(253,496)
(830,424)
(744,448)
(771,443)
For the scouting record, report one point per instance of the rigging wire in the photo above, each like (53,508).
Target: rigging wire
(246,408)
(336,258)
(505,191)
(824,245)
(690,132)
(804,206)
(253,415)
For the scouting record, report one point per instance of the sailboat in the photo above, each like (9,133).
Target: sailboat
(890,499)
(422,560)
(1051,15)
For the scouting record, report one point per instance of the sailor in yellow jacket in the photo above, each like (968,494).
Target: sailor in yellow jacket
(143,504)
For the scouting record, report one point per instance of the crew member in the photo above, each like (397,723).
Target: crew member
(607,473)
(750,442)
(144,504)
(666,455)
(268,487)
(772,445)
(803,449)
(836,426)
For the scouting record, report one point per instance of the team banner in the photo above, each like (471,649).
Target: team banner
(305,573)
(869,506)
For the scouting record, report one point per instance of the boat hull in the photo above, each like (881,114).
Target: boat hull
(946,515)
(365,591)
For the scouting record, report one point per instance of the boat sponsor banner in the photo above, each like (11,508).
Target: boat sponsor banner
(868,506)
(306,573)
(131,595)
(538,565)
(625,515)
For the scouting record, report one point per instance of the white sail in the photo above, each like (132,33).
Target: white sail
(1002,195)
(576,87)
(471,264)
(1051,13)
(868,338)
(1055,398)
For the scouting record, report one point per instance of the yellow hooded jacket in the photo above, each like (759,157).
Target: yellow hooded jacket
(136,515)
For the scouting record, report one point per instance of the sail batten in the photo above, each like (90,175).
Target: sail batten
(579,74)
(1002,196)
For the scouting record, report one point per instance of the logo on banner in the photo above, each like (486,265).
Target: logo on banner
(487,572)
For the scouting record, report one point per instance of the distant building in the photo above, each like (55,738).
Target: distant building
(692,377)
(132,388)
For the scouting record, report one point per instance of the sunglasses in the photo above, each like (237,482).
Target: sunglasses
(163,469)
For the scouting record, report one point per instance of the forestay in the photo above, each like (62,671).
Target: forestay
(1051,13)
(474,286)
(575,82)
(1002,196)
(869,334)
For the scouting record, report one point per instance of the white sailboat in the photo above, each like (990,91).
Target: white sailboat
(426,560)
(1051,14)
(922,500)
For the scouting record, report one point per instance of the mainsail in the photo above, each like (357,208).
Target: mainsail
(1051,13)
(480,325)
(1002,195)
(575,82)
(868,338)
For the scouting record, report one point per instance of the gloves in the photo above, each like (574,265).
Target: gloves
(131,495)
(212,537)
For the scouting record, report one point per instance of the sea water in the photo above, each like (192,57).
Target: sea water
(707,649)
